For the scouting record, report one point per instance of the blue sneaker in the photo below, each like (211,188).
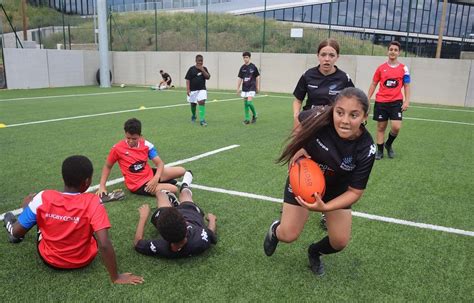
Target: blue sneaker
(203,123)
(193,119)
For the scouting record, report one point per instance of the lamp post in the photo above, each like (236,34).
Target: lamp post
(441,30)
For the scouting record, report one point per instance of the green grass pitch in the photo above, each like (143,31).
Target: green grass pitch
(430,181)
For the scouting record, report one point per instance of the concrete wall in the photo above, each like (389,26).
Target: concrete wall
(26,68)
(38,68)
(434,81)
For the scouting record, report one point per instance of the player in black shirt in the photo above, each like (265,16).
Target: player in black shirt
(322,83)
(338,141)
(249,78)
(196,89)
(166,81)
(182,228)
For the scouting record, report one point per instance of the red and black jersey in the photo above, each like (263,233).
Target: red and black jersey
(133,162)
(392,79)
(67,222)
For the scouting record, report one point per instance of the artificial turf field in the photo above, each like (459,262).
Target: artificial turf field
(430,181)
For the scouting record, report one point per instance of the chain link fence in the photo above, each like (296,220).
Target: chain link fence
(155,30)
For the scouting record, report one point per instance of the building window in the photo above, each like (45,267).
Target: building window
(279,14)
(298,14)
(325,14)
(316,13)
(307,13)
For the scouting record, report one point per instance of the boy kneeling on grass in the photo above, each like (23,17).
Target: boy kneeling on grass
(180,225)
(72,225)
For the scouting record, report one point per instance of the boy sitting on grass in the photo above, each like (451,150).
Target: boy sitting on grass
(72,225)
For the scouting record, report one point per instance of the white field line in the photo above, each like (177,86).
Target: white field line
(354,213)
(439,121)
(183,91)
(276,200)
(120,180)
(68,96)
(411,106)
(115,112)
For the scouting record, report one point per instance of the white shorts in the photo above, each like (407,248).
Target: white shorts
(250,94)
(197,95)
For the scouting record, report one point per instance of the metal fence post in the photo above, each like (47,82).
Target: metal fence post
(156,30)
(408,28)
(207,20)
(264,24)
(63,8)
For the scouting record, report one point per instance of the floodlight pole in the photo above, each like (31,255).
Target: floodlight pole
(103,44)
(441,29)
(264,23)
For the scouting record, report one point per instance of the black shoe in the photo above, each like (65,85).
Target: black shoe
(322,222)
(271,241)
(115,195)
(172,198)
(390,152)
(8,220)
(378,155)
(254,120)
(246,122)
(315,263)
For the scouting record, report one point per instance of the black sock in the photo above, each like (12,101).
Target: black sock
(390,139)
(380,147)
(323,247)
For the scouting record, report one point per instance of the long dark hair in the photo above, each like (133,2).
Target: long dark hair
(315,121)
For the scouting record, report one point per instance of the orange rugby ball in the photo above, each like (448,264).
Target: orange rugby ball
(307,178)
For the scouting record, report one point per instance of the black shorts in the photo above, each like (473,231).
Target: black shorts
(289,197)
(388,110)
(142,192)
(190,211)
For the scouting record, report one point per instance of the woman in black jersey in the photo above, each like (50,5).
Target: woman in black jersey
(321,83)
(338,141)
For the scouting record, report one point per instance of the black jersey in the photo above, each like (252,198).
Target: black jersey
(321,89)
(166,76)
(199,237)
(196,78)
(344,162)
(249,74)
